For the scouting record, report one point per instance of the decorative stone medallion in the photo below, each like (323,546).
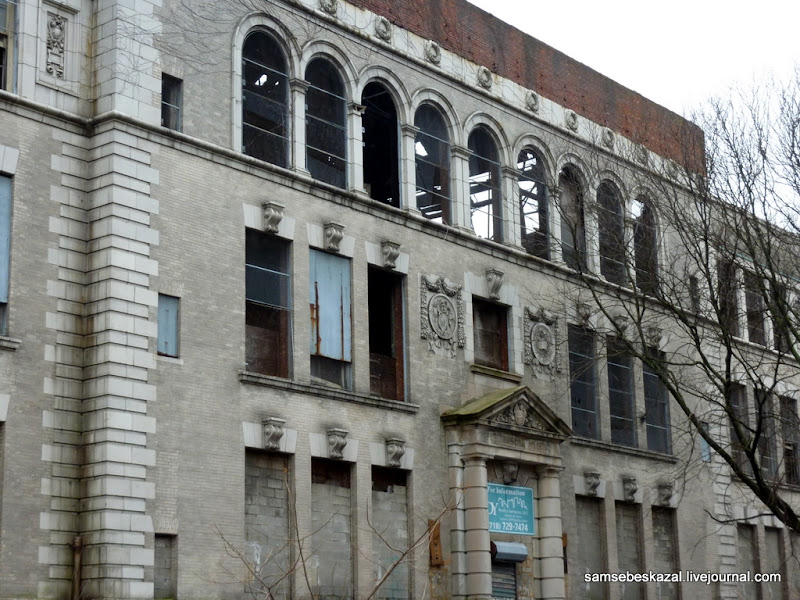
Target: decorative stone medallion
(532,101)
(520,415)
(571,120)
(442,315)
(484,78)
(383,29)
(433,53)
(541,342)
(56,26)
(608,138)
(329,6)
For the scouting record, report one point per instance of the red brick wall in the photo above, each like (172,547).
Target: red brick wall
(486,40)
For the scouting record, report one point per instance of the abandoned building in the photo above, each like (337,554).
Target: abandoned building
(287,293)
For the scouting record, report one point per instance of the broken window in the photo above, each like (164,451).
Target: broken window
(490,328)
(7,28)
(331,330)
(265,100)
(432,151)
(611,230)
(790,428)
(533,203)
(573,228)
(381,145)
(326,123)
(656,403)
(268,308)
(167,344)
(727,295)
(645,247)
(171,99)
(386,346)
(754,306)
(583,382)
(484,186)
(620,394)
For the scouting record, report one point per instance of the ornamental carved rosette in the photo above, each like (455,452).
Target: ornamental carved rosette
(541,342)
(441,315)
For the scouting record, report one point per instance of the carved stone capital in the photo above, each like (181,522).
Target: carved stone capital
(494,280)
(391,252)
(337,440)
(334,233)
(629,488)
(591,481)
(273,432)
(273,215)
(395,449)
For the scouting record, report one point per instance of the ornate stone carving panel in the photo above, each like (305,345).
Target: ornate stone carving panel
(541,342)
(56,33)
(441,315)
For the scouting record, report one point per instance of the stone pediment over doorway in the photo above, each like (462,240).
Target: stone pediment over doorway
(515,409)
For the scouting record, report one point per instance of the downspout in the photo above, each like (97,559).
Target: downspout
(77,548)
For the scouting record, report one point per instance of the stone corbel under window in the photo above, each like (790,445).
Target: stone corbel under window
(257,435)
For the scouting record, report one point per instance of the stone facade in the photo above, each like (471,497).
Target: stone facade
(126,472)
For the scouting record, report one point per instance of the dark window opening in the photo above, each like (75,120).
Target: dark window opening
(727,298)
(7,28)
(484,186)
(533,207)
(656,400)
(268,309)
(694,293)
(737,404)
(583,388)
(331,325)
(790,428)
(385,479)
(265,100)
(168,325)
(620,394)
(573,224)
(5,250)
(386,356)
(490,324)
(432,161)
(330,472)
(766,440)
(381,145)
(326,124)
(611,229)
(780,311)
(645,242)
(171,102)
(165,566)
(754,306)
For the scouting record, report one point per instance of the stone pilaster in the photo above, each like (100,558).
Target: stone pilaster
(476,525)
(408,168)
(551,557)
(458,557)
(355,149)
(299,87)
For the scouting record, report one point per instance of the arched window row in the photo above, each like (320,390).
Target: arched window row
(548,220)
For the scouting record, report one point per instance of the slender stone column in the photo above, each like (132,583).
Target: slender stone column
(551,559)
(476,523)
(408,168)
(512,226)
(592,231)
(554,215)
(459,201)
(299,87)
(355,149)
(458,557)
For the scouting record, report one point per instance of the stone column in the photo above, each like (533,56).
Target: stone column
(590,208)
(458,568)
(459,197)
(298,88)
(550,545)
(554,225)
(476,524)
(408,167)
(355,149)
(512,225)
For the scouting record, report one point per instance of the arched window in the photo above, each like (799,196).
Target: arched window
(611,232)
(645,247)
(326,123)
(265,100)
(381,156)
(533,203)
(573,224)
(432,149)
(485,206)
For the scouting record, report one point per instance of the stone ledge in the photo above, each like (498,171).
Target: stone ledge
(326,392)
(497,373)
(649,454)
(7,343)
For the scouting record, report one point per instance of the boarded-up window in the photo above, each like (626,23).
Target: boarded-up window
(390,531)
(589,551)
(330,567)
(268,308)
(386,345)
(665,550)
(5,247)
(629,548)
(331,330)
(773,562)
(165,567)
(168,325)
(490,334)
(746,559)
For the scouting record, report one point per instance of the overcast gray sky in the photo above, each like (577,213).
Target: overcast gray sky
(677,53)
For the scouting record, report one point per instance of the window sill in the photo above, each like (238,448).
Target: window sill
(169,359)
(7,343)
(496,373)
(588,442)
(325,392)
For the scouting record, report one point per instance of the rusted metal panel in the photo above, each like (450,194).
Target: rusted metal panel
(330,306)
